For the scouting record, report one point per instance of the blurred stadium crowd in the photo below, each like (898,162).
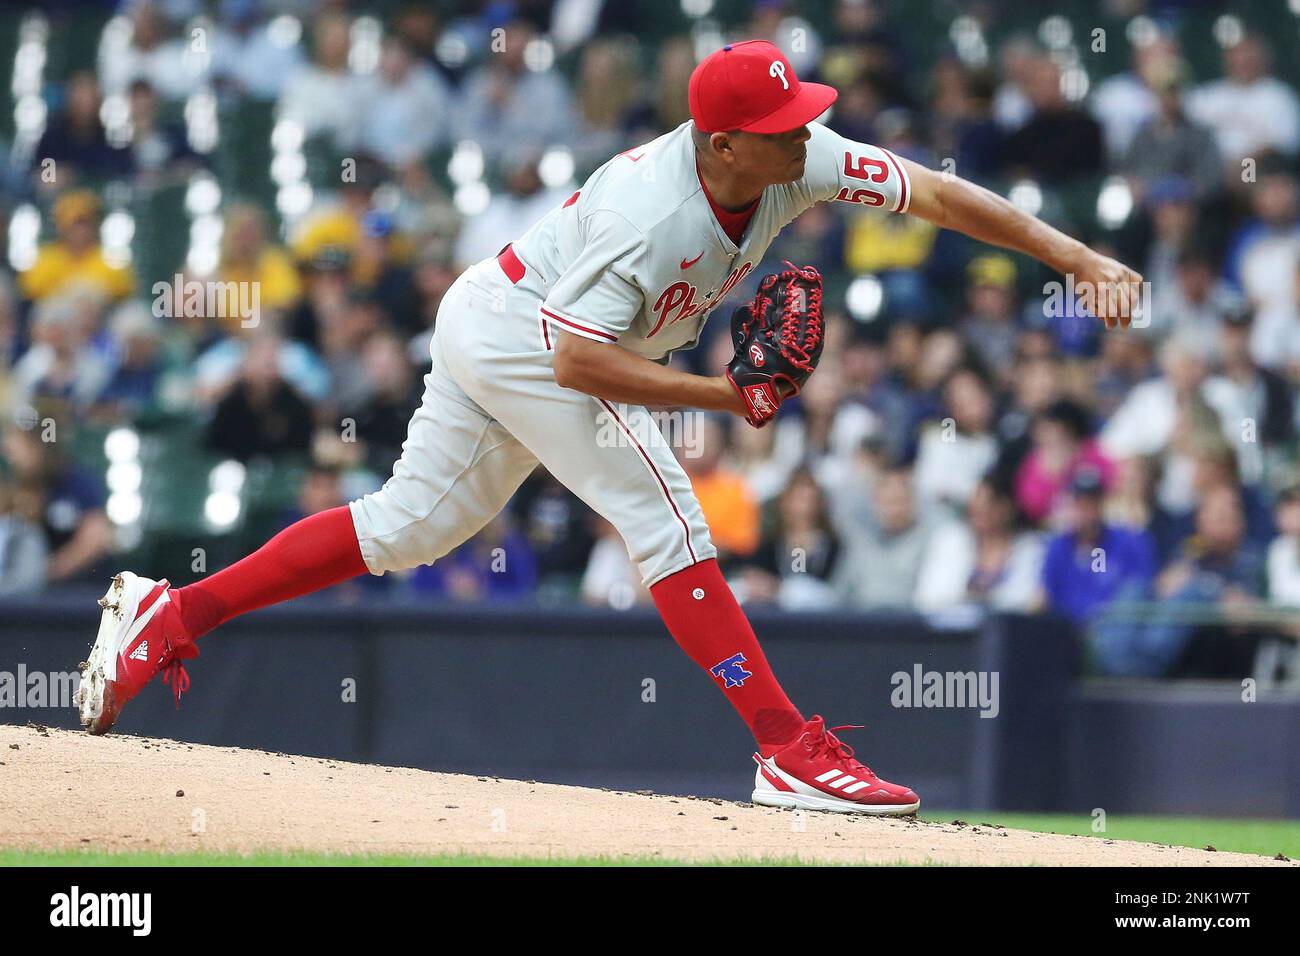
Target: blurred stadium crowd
(963,445)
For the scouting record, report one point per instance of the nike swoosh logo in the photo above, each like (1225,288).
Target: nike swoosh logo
(687,263)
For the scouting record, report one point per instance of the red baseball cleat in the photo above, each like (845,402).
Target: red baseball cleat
(129,650)
(818,772)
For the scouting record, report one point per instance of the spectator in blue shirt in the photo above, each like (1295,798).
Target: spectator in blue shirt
(1219,575)
(1092,564)
(497,564)
(69,500)
(139,365)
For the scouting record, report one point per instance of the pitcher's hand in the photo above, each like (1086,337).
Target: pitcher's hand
(1108,289)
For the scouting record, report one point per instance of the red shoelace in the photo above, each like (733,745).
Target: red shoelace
(827,741)
(174,673)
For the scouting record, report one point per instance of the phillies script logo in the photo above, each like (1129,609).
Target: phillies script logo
(756,355)
(677,302)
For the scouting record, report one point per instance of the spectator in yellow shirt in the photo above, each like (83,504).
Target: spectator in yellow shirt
(76,257)
(247,256)
(337,225)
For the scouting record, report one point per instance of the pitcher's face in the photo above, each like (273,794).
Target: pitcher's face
(772,158)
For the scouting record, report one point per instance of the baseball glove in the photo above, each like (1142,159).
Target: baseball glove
(778,339)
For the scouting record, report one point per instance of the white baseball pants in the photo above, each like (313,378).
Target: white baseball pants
(491,411)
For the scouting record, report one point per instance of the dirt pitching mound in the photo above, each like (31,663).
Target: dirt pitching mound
(63,790)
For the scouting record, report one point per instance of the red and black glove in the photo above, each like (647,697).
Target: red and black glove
(778,339)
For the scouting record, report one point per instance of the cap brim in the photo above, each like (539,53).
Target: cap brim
(813,100)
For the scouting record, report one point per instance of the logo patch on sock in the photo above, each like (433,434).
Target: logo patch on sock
(732,674)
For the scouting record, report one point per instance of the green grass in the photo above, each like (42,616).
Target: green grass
(1265,837)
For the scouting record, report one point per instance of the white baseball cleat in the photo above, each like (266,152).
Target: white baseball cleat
(816,771)
(129,650)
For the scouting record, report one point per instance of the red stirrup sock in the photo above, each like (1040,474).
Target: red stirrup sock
(704,618)
(310,554)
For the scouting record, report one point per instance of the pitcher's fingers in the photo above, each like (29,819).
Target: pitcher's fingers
(1125,305)
(1085,298)
(1108,302)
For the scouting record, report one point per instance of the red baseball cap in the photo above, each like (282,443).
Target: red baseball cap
(751,86)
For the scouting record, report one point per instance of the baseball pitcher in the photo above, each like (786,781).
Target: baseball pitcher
(538,350)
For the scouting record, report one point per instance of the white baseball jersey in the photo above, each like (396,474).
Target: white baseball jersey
(636,257)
